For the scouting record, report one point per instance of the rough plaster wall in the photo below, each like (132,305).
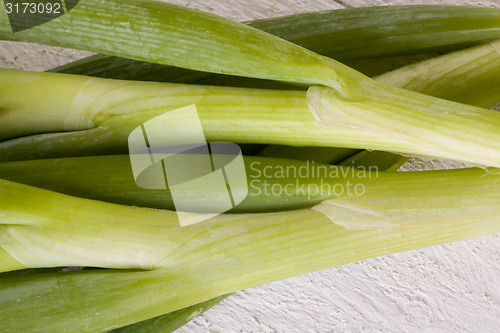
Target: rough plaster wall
(449,288)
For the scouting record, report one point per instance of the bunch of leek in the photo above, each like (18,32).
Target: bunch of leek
(229,252)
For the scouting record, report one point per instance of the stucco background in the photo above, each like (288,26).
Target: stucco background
(449,288)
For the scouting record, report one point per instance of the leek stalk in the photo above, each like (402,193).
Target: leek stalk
(228,253)
(110,179)
(166,323)
(106,111)
(43,235)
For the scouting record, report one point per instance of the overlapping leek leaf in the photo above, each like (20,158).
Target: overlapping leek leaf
(353,33)
(169,32)
(171,321)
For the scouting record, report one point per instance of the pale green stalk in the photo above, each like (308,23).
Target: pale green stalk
(111,109)
(445,73)
(352,33)
(230,252)
(469,76)
(106,112)
(457,131)
(92,233)
(110,179)
(41,109)
(368,32)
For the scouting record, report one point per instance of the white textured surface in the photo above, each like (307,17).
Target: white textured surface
(449,288)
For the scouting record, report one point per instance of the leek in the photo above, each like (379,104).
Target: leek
(166,323)
(328,209)
(110,179)
(43,235)
(443,27)
(106,111)
(225,254)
